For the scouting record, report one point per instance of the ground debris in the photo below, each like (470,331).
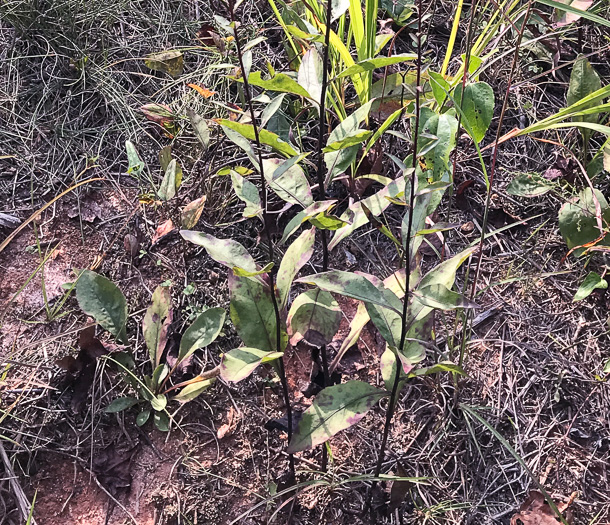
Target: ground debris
(536,511)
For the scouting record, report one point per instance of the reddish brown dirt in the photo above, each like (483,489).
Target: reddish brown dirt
(66,493)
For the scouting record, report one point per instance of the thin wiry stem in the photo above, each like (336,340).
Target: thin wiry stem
(322,187)
(267,229)
(492,172)
(406,261)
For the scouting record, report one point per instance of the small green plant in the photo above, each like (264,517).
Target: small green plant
(104,301)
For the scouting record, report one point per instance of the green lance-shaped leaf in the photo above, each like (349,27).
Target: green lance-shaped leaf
(387,366)
(200,127)
(303,216)
(355,216)
(353,138)
(374,63)
(191,391)
(578,221)
(584,80)
(136,165)
(280,82)
(593,281)
(227,252)
(441,297)
(103,300)
(297,255)
(120,404)
(310,74)
(338,161)
(477,107)
(334,409)
(290,184)
(239,363)
(170,62)
(253,314)
(440,87)
(266,137)
(248,193)
(156,323)
(171,181)
(202,332)
(355,286)
(528,185)
(314,316)
(443,274)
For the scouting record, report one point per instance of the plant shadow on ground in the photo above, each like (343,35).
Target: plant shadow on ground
(532,362)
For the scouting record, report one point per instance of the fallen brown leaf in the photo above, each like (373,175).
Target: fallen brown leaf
(536,511)
(229,427)
(164,229)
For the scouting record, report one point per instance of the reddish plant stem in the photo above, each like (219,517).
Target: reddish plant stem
(267,229)
(406,264)
(492,172)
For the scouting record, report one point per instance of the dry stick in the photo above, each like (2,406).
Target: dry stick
(322,189)
(263,191)
(492,172)
(406,264)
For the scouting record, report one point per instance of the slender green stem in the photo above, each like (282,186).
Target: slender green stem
(267,229)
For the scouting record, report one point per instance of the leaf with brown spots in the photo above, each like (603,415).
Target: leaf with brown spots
(156,322)
(536,511)
(335,408)
(192,212)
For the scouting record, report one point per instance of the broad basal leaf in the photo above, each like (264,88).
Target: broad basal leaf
(338,161)
(314,316)
(227,252)
(253,314)
(239,363)
(202,332)
(311,211)
(291,184)
(297,255)
(136,165)
(528,185)
(584,80)
(374,63)
(191,391)
(200,127)
(578,222)
(170,62)
(103,300)
(477,107)
(192,213)
(441,297)
(156,323)
(593,281)
(334,409)
(171,181)
(120,404)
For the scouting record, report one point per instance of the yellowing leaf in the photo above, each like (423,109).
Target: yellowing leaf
(170,62)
